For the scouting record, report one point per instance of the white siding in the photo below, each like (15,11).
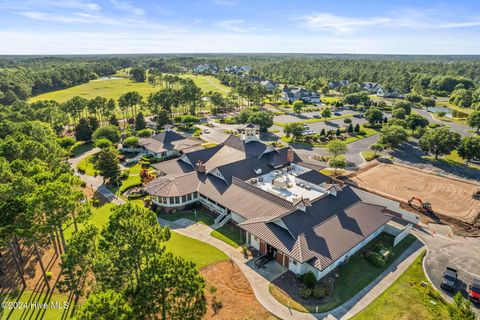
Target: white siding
(254,241)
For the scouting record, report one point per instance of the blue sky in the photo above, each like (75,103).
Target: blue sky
(161,26)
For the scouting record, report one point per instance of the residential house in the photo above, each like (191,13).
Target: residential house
(168,144)
(269,85)
(336,84)
(371,87)
(292,94)
(285,209)
(205,69)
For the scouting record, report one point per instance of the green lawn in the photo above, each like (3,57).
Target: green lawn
(352,277)
(87,165)
(229,235)
(330,100)
(30,312)
(368,155)
(368,133)
(200,217)
(207,83)
(106,88)
(99,219)
(80,148)
(201,253)
(455,159)
(406,298)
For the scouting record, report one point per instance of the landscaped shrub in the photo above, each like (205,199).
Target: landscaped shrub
(145,133)
(375,258)
(319,293)
(135,196)
(305,293)
(328,284)
(309,279)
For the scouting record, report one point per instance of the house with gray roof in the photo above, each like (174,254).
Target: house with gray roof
(269,85)
(286,210)
(168,144)
(292,94)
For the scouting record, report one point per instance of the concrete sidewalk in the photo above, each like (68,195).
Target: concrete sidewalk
(260,284)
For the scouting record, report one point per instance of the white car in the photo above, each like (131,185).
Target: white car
(206,131)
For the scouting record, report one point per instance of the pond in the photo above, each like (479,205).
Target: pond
(107,78)
(448,112)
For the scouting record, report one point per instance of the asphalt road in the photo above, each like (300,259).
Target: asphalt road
(445,250)
(456,127)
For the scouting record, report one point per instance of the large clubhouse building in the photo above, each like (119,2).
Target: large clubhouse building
(287,210)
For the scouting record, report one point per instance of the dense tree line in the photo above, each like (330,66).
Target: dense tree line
(25,78)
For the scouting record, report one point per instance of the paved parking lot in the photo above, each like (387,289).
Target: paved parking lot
(286,118)
(456,252)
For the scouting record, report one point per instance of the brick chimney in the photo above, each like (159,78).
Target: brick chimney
(200,166)
(290,155)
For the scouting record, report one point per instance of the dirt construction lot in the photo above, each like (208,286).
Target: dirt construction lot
(232,289)
(449,197)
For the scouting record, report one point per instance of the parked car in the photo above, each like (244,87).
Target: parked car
(337,114)
(308,132)
(358,115)
(474,290)
(449,281)
(306,126)
(206,131)
(317,116)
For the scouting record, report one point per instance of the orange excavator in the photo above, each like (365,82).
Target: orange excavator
(423,207)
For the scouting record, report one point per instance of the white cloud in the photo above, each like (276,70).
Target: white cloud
(173,41)
(409,19)
(128,7)
(237,26)
(340,24)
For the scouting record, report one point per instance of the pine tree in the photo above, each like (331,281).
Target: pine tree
(350,128)
(338,133)
(108,165)
(83,131)
(140,123)
(357,128)
(323,133)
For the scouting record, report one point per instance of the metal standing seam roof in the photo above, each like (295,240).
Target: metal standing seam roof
(174,167)
(251,202)
(328,241)
(173,186)
(168,140)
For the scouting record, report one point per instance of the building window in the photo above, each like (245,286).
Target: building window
(195,195)
(294,262)
(184,198)
(177,200)
(189,196)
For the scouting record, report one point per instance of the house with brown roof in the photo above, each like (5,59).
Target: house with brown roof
(168,143)
(286,209)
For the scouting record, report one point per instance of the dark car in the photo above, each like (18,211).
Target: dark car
(338,114)
(449,281)
(358,115)
(474,290)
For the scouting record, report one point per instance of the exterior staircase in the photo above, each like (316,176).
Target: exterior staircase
(221,220)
